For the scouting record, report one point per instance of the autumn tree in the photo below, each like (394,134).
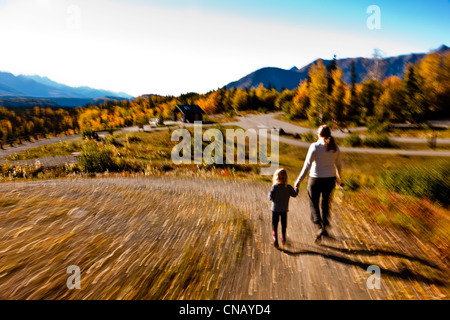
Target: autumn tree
(318,93)
(391,103)
(283,101)
(209,103)
(266,97)
(240,100)
(337,96)
(434,72)
(300,102)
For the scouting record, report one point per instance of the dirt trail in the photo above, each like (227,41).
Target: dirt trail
(140,238)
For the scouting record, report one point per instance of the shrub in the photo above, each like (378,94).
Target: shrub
(129,165)
(111,139)
(377,127)
(166,167)
(96,158)
(132,139)
(353,140)
(160,120)
(430,181)
(87,133)
(352,183)
(309,136)
(378,141)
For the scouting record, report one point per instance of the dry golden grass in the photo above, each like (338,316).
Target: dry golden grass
(131,241)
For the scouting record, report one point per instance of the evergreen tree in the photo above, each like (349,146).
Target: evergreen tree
(330,68)
(415,104)
(352,112)
(370,92)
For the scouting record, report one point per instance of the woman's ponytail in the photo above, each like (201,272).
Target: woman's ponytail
(325,133)
(331,145)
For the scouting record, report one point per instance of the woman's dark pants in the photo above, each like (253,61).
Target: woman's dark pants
(318,187)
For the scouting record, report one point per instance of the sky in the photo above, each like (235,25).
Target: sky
(170,47)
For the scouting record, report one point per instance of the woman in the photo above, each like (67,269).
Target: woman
(324,162)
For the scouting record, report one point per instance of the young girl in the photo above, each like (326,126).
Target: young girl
(279,195)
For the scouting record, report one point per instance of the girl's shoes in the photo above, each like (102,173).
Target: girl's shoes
(275,240)
(275,244)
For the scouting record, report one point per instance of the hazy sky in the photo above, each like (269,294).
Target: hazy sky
(173,47)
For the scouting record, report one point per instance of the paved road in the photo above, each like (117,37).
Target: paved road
(8,150)
(256,122)
(265,121)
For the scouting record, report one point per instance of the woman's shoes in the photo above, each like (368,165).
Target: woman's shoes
(321,233)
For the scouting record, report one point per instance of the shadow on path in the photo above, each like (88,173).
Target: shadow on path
(375,252)
(326,253)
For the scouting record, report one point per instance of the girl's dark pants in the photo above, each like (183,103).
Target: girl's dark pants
(320,187)
(277,216)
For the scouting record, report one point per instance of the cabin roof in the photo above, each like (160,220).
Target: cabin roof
(193,108)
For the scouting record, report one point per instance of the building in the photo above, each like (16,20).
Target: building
(188,113)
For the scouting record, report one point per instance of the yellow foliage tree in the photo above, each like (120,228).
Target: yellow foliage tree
(392,101)
(318,92)
(240,100)
(90,119)
(337,97)
(300,102)
(210,103)
(434,69)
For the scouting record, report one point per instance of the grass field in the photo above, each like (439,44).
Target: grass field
(49,150)
(174,242)
(149,154)
(181,233)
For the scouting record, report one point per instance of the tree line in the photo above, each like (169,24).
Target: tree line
(324,97)
(24,122)
(423,93)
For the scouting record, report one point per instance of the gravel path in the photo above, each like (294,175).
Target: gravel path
(196,238)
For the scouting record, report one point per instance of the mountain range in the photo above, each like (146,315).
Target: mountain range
(281,79)
(33,90)
(24,90)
